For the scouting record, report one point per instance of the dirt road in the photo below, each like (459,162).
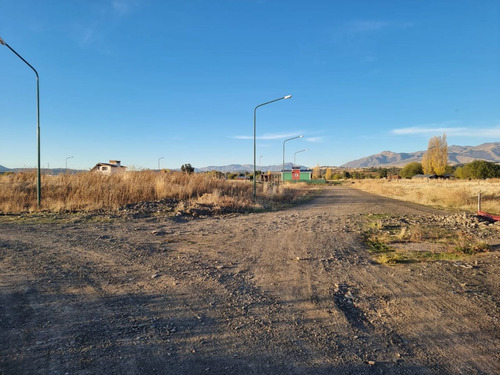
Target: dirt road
(289,292)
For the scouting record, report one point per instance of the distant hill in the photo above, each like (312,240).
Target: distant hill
(246,168)
(456,155)
(54,171)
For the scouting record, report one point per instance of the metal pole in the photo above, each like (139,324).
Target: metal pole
(255,142)
(69,157)
(38,177)
(295,154)
(159,162)
(283,166)
(286,140)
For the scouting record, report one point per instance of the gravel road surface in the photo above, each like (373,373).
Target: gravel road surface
(287,292)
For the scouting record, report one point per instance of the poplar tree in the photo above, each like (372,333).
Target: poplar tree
(316,172)
(435,159)
(328,174)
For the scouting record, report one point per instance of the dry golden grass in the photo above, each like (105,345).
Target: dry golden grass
(458,194)
(93,191)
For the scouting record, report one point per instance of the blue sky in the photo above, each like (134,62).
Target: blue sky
(139,80)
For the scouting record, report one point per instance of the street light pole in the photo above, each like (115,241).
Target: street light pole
(159,162)
(38,182)
(286,140)
(254,139)
(69,157)
(296,152)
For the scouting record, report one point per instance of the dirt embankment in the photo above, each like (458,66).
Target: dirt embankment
(291,292)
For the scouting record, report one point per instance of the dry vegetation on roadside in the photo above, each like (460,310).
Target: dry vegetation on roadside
(91,191)
(456,194)
(394,239)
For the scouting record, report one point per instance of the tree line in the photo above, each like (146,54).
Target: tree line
(435,162)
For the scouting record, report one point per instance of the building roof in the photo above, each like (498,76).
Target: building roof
(112,164)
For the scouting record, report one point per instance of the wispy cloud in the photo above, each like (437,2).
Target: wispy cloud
(368,26)
(122,7)
(88,34)
(450,131)
(268,136)
(90,30)
(314,139)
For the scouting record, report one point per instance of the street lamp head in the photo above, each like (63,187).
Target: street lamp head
(301,136)
(287,97)
(1,41)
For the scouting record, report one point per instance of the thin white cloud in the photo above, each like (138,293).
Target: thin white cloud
(122,7)
(450,131)
(268,136)
(368,26)
(88,35)
(425,130)
(90,32)
(314,139)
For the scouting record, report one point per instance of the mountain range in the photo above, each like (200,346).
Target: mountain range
(456,155)
(248,168)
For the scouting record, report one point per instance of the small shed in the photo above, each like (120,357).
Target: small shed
(297,175)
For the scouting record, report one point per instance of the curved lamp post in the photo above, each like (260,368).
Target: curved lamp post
(69,157)
(159,162)
(38,183)
(254,138)
(286,140)
(296,152)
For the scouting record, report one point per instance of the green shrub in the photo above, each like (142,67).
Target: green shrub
(411,169)
(479,169)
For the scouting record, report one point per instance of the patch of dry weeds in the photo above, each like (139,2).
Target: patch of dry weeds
(393,240)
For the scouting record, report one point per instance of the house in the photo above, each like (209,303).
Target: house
(113,166)
(434,176)
(425,176)
(270,176)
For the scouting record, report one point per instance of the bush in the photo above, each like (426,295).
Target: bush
(411,170)
(187,168)
(479,169)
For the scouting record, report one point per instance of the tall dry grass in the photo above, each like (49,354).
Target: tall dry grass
(458,194)
(93,191)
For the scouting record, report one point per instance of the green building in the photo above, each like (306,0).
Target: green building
(297,175)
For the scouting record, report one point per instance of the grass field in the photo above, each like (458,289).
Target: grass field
(92,191)
(457,194)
